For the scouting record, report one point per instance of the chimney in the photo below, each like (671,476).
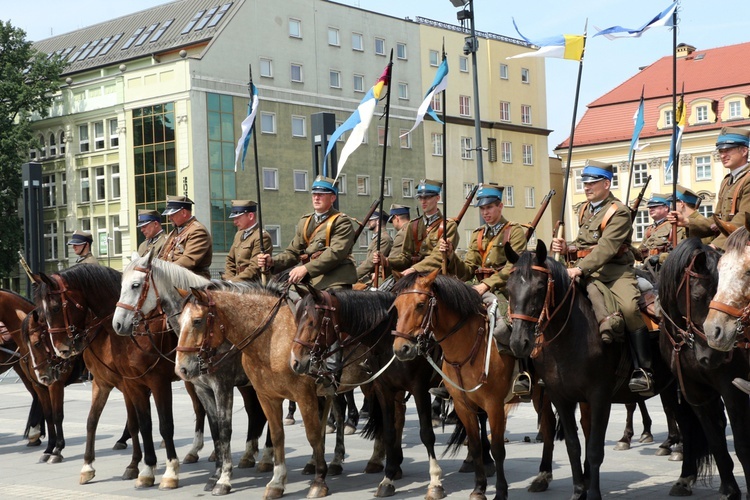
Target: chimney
(684,50)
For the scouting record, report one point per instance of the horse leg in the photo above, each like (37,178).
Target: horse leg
(209,402)
(674,438)
(646,436)
(256,420)
(739,411)
(595,445)
(489,462)
(57,396)
(547,429)
(470,421)
(352,416)
(122,443)
(272,409)
(139,396)
(627,436)
(339,406)
(45,402)
(163,401)
(265,464)
(224,402)
(713,421)
(496,418)
(435,489)
(200,416)
(315,432)
(393,452)
(99,396)
(566,411)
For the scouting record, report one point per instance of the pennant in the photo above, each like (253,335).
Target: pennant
(677,137)
(247,129)
(664,18)
(638,123)
(358,122)
(560,46)
(438,85)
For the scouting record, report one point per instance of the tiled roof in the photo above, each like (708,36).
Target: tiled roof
(712,74)
(162,28)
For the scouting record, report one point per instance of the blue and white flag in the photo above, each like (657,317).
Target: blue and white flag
(247,130)
(664,18)
(438,85)
(638,123)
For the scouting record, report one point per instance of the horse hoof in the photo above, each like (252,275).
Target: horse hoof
(190,458)
(273,493)
(466,467)
(55,459)
(373,468)
(318,491)
(168,483)
(44,458)
(34,442)
(622,446)
(663,452)
(477,496)
(675,456)
(246,463)
(265,467)
(436,422)
(212,458)
(489,469)
(682,488)
(540,483)
(210,484)
(349,430)
(334,470)
(646,437)
(330,429)
(289,421)
(144,482)
(309,470)
(221,489)
(120,446)
(435,493)
(130,473)
(385,490)
(86,477)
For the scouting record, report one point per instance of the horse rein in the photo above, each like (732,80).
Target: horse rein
(70,329)
(142,322)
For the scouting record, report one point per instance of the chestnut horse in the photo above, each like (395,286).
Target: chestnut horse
(78,304)
(445,310)
(259,322)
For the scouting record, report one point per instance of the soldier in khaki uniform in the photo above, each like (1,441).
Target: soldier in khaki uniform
(189,244)
(734,194)
(242,261)
(81,242)
(399,217)
(687,205)
(657,240)
(603,254)
(149,222)
(366,267)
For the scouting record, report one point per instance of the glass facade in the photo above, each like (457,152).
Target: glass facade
(155,166)
(221,144)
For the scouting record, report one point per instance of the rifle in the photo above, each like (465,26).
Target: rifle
(25,266)
(638,199)
(467,202)
(539,214)
(362,225)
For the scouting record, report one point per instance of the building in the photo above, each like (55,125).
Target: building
(716,94)
(152,105)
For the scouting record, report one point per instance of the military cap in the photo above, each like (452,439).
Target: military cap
(324,185)
(687,196)
(240,207)
(377,215)
(177,203)
(80,238)
(657,199)
(398,210)
(732,137)
(147,217)
(489,193)
(427,187)
(596,171)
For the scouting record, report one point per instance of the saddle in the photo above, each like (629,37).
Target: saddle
(648,304)
(4,334)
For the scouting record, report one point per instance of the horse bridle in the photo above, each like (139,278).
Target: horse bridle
(687,335)
(424,339)
(73,332)
(55,363)
(142,322)
(742,315)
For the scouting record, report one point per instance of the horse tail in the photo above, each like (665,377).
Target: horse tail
(374,426)
(36,417)
(456,441)
(258,420)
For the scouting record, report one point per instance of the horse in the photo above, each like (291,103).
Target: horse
(259,322)
(443,309)
(149,300)
(77,305)
(553,322)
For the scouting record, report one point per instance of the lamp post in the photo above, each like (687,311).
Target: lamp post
(470,47)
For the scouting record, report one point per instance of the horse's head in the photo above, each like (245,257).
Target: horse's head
(415,303)
(65,312)
(138,296)
(316,322)
(729,314)
(201,333)
(45,363)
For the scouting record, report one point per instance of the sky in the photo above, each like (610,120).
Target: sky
(607,64)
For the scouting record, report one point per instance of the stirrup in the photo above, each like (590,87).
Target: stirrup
(522,384)
(440,392)
(641,382)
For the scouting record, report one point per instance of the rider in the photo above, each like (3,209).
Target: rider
(189,244)
(374,224)
(81,242)
(399,217)
(242,262)
(149,222)
(602,253)
(657,240)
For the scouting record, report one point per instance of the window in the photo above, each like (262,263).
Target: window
(434,58)
(463,64)
(381,137)
(437,144)
(492,149)
(468,186)
(101,192)
(341,183)
(100,237)
(296,72)
(359,83)
(64,187)
(735,109)
(295,28)
(52,145)
(642,222)
(509,195)
(615,177)
(48,190)
(504,111)
(114,223)
(525,114)
(50,241)
(342,137)
(43,148)
(83,140)
(98,135)
(358,42)
(114,179)
(464,105)
(270,179)
(380,46)
(300,180)
(85,188)
(299,128)
(467,150)
(706,210)
(668,116)
(387,186)
(401,50)
(114,134)
(267,122)
(703,168)
(503,71)
(668,176)
(363,185)
(334,79)
(405,138)
(528,154)
(437,102)
(275,233)
(62,143)
(507,152)
(640,174)
(403,90)
(525,76)
(701,114)
(530,202)
(266,68)
(407,187)
(333,37)
(577,180)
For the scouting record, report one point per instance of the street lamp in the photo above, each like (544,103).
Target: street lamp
(470,47)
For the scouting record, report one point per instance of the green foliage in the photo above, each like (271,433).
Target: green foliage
(28,82)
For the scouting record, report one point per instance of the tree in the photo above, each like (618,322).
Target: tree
(28,82)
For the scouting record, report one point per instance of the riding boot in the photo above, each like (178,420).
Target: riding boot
(642,378)
(333,364)
(522,382)
(609,323)
(440,392)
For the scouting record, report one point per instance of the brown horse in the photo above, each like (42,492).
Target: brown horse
(257,321)
(77,304)
(442,309)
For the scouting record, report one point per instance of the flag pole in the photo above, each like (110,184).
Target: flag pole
(385,151)
(632,151)
(263,271)
(675,159)
(561,221)
(445,187)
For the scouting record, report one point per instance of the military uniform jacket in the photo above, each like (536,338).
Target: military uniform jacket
(491,255)
(424,247)
(609,257)
(332,264)
(658,238)
(192,248)
(366,267)
(157,243)
(700,226)
(87,259)
(242,259)
(398,242)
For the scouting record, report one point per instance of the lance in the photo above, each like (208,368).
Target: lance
(445,181)
(259,212)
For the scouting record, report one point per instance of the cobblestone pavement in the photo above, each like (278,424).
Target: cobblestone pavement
(636,473)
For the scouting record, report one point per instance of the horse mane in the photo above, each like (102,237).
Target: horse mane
(362,309)
(16,294)
(95,281)
(673,269)
(171,273)
(557,270)
(737,241)
(271,289)
(450,290)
